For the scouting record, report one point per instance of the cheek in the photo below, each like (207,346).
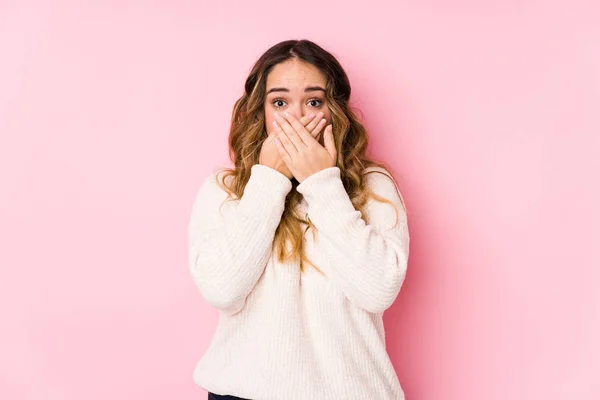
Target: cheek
(327,115)
(269,122)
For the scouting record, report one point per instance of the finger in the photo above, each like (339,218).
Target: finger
(303,136)
(307,119)
(313,123)
(290,131)
(284,139)
(320,125)
(285,156)
(329,142)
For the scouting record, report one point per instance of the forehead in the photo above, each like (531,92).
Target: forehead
(295,73)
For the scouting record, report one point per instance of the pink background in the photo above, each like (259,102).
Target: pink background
(113,112)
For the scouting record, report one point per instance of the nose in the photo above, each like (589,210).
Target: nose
(295,110)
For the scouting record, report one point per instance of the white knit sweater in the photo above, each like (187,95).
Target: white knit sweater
(283,335)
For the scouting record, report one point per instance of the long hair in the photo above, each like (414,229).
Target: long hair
(248,132)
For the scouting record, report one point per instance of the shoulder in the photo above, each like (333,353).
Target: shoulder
(377,175)
(210,189)
(382,182)
(388,202)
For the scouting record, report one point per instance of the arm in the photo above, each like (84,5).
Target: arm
(368,261)
(229,248)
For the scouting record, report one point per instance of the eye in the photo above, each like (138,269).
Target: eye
(276,101)
(313,101)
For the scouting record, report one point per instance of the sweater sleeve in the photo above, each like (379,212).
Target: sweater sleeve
(367,261)
(229,247)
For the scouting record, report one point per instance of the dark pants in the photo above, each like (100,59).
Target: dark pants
(212,396)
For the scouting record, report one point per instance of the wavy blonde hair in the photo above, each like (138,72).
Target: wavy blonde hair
(248,132)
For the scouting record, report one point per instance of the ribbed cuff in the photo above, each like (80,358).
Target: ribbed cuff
(328,201)
(266,188)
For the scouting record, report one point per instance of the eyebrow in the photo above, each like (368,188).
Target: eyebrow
(308,89)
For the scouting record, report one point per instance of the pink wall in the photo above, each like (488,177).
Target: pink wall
(112,113)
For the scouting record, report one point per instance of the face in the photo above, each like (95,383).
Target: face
(297,87)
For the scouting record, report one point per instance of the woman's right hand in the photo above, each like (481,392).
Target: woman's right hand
(269,155)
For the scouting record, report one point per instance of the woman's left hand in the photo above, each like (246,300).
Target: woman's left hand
(302,153)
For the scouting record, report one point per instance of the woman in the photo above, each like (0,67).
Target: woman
(302,245)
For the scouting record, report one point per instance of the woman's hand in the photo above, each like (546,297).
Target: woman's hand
(270,156)
(301,152)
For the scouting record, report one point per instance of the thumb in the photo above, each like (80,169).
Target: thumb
(329,142)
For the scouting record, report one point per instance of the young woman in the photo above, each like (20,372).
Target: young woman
(302,245)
